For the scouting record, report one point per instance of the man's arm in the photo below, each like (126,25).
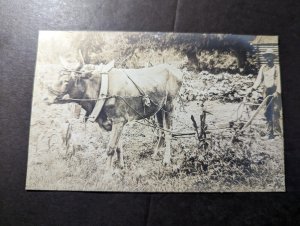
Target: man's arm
(277,80)
(259,78)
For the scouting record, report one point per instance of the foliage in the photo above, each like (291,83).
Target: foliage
(231,163)
(212,52)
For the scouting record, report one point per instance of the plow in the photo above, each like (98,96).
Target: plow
(235,127)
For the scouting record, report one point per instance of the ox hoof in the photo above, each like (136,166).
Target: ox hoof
(121,165)
(155,157)
(166,162)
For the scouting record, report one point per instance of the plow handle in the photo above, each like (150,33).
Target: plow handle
(257,111)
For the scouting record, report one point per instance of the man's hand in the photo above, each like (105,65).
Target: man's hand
(276,94)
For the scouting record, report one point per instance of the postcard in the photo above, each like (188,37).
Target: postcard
(156,112)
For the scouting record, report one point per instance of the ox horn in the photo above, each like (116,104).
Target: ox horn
(81,57)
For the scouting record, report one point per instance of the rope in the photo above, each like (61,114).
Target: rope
(151,124)
(95,99)
(143,94)
(138,88)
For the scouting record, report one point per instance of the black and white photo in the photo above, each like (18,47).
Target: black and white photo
(156,112)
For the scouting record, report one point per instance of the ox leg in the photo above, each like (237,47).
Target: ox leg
(168,136)
(120,154)
(159,117)
(113,141)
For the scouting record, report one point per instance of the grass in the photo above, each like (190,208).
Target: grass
(241,166)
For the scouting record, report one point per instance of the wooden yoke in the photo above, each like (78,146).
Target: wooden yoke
(104,70)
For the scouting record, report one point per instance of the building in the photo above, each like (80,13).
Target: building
(262,43)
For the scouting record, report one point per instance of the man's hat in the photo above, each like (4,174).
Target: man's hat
(269,52)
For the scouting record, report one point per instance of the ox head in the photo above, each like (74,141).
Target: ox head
(69,84)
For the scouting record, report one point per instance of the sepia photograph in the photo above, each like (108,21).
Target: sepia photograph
(156,112)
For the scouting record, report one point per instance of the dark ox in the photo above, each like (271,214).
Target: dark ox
(126,100)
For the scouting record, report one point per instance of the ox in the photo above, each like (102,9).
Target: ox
(133,94)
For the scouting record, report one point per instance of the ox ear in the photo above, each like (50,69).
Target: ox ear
(79,62)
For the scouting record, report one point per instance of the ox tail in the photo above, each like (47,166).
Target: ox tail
(177,73)
(175,80)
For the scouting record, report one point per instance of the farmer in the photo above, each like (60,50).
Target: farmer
(269,77)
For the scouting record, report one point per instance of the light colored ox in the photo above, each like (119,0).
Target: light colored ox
(133,94)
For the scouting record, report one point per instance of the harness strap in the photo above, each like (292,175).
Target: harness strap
(145,97)
(101,98)
(103,91)
(138,88)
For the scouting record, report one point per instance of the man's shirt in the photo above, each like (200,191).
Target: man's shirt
(269,76)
